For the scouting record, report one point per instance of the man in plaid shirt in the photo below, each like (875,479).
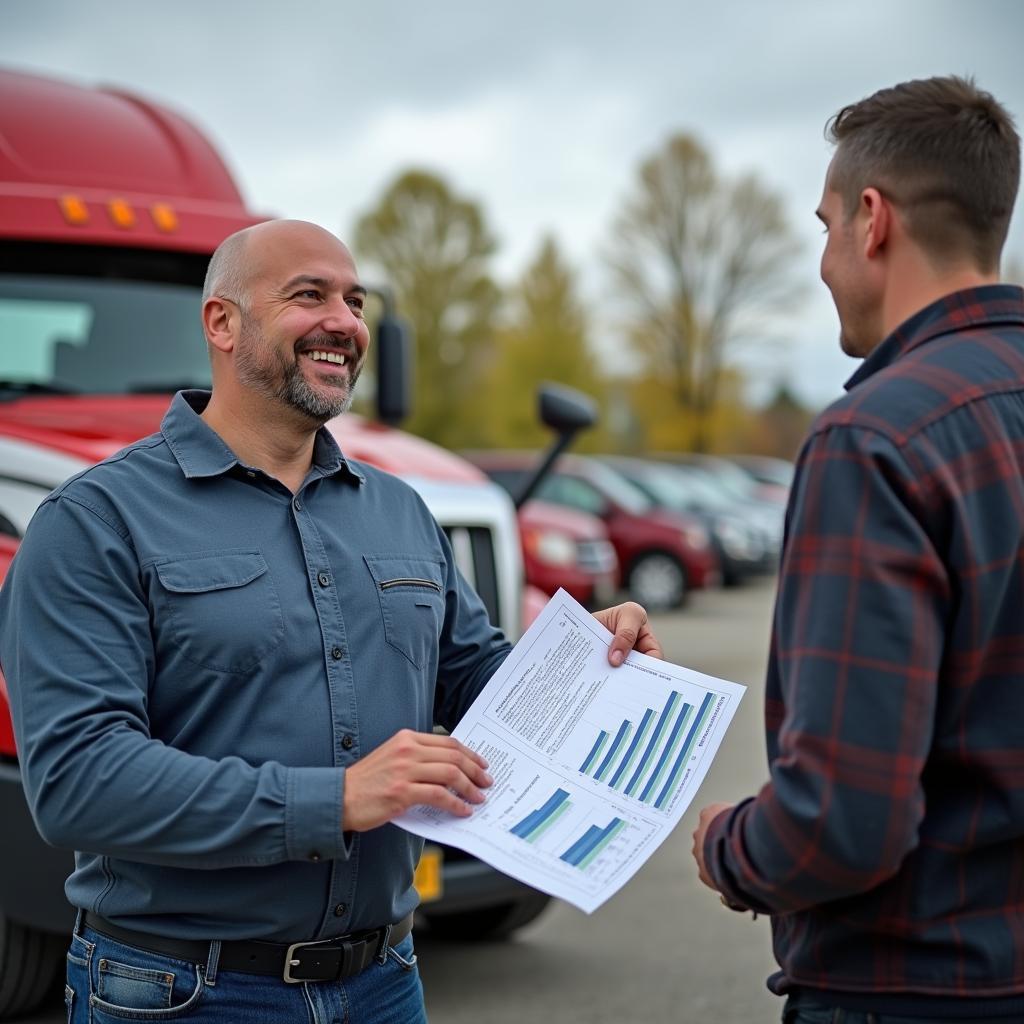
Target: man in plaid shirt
(888,844)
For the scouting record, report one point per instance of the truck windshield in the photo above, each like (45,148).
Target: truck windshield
(61,334)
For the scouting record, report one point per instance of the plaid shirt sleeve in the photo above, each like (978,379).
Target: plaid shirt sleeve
(858,642)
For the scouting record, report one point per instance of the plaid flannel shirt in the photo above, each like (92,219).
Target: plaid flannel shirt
(888,845)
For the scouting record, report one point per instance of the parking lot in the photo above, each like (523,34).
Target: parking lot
(663,948)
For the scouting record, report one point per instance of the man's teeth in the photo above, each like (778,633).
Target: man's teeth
(327,357)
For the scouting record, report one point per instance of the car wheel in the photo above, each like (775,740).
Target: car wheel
(489,923)
(29,963)
(658,581)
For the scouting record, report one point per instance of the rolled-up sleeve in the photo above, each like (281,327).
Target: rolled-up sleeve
(859,638)
(77,652)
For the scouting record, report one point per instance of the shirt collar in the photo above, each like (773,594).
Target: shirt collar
(200,451)
(988,305)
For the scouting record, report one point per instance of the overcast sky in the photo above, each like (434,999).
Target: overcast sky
(541,111)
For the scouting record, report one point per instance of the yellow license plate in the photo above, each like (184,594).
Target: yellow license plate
(428,874)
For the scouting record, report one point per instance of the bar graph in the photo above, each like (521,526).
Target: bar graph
(668,750)
(648,761)
(537,822)
(620,737)
(595,752)
(666,716)
(588,847)
(684,754)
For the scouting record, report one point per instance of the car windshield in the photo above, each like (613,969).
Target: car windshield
(81,335)
(624,492)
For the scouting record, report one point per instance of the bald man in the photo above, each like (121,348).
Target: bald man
(240,642)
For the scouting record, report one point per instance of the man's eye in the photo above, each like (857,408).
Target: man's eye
(356,303)
(307,293)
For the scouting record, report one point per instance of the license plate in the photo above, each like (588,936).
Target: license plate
(428,874)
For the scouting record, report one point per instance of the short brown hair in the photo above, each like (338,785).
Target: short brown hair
(945,153)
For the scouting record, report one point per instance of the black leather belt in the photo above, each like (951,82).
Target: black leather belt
(320,960)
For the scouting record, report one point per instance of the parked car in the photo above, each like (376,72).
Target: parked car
(773,476)
(563,547)
(738,540)
(663,555)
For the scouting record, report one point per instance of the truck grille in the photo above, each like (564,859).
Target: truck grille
(473,547)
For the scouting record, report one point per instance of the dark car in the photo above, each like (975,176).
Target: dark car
(663,555)
(738,540)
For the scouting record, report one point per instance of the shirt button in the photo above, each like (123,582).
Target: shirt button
(314,855)
(339,910)
(323,579)
(337,653)
(347,742)
(297,505)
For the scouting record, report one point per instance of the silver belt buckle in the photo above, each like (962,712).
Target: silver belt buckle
(290,960)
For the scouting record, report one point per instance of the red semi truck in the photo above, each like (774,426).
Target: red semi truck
(110,207)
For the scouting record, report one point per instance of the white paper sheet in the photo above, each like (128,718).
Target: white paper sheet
(593,766)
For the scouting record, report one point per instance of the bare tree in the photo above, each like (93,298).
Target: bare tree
(702,260)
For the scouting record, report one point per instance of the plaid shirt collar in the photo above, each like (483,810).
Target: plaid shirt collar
(988,305)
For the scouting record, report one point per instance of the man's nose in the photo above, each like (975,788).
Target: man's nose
(340,318)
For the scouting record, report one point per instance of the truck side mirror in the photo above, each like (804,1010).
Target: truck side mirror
(566,411)
(394,372)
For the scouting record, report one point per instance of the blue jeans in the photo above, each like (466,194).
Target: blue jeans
(836,1015)
(109,982)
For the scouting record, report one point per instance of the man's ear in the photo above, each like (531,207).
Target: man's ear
(876,219)
(220,323)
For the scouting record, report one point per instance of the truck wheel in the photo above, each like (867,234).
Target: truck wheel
(657,581)
(29,963)
(489,923)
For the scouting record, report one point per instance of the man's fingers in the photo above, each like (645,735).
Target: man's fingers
(632,631)
(429,742)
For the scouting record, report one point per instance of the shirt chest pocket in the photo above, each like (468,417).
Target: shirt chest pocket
(411,596)
(221,609)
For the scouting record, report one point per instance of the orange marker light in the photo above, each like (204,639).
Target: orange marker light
(121,213)
(164,217)
(74,209)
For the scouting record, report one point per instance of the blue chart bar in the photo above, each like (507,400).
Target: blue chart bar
(627,760)
(645,761)
(535,819)
(620,737)
(684,754)
(594,751)
(589,841)
(669,750)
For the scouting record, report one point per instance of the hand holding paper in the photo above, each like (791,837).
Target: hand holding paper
(593,766)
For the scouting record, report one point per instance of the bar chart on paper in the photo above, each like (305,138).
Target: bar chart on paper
(647,759)
(576,834)
(592,766)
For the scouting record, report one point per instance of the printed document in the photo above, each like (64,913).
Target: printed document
(593,766)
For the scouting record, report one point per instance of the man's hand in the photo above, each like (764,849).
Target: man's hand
(629,624)
(707,815)
(412,768)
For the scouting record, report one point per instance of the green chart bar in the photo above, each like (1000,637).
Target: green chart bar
(652,748)
(595,751)
(620,737)
(634,750)
(670,748)
(539,830)
(684,754)
(605,840)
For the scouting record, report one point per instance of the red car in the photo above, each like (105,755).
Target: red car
(663,555)
(563,547)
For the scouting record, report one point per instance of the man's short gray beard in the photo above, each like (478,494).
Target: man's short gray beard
(320,407)
(293,390)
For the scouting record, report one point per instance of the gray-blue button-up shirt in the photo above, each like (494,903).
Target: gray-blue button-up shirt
(194,655)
